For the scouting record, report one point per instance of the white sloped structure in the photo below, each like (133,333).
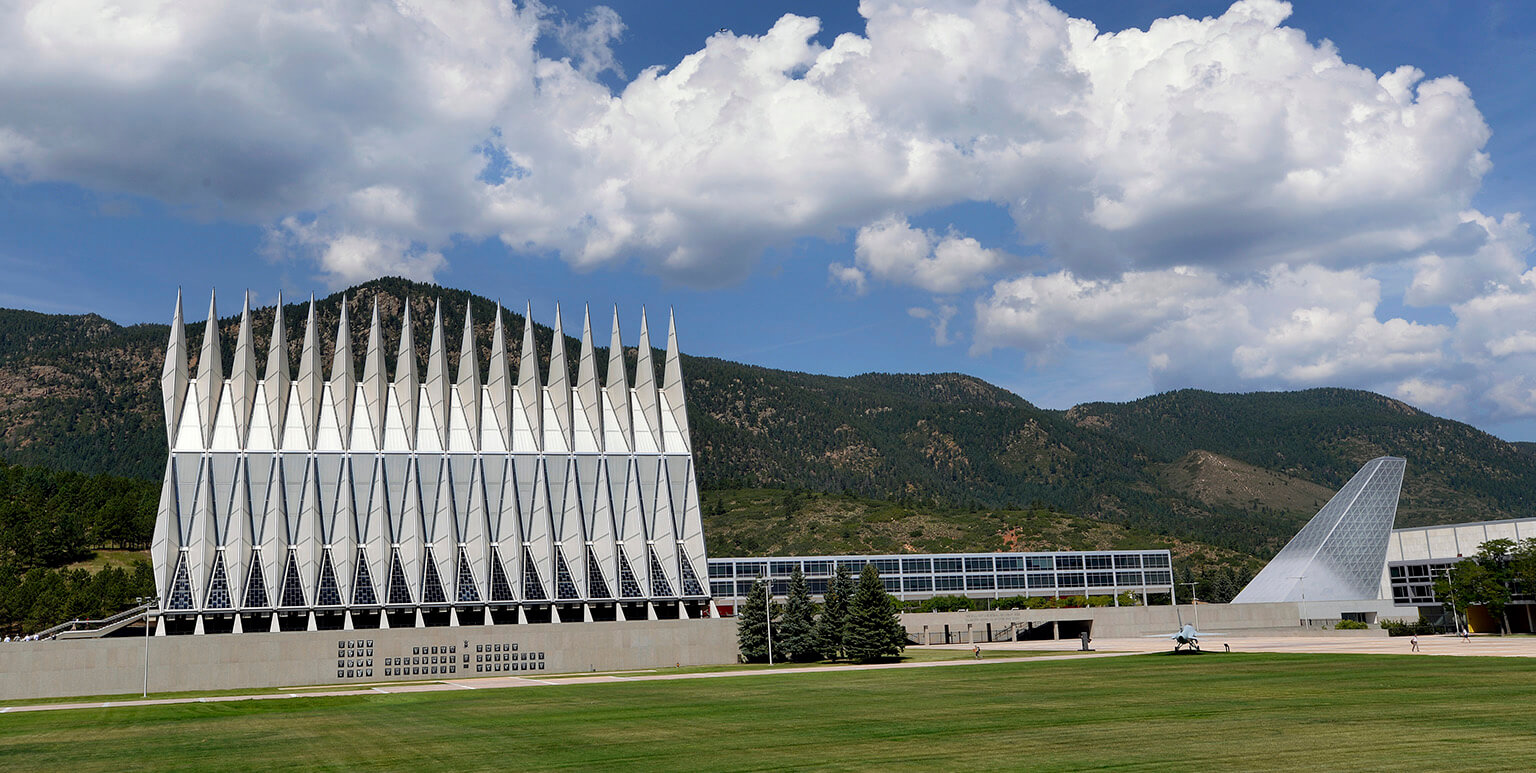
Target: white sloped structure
(430,499)
(1341,553)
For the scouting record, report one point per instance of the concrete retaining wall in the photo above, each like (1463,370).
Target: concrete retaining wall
(63,668)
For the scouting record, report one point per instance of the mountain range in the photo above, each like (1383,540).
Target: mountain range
(1240,472)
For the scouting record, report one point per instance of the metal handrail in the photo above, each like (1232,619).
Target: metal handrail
(73,624)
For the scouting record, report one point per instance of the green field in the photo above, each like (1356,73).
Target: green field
(1209,712)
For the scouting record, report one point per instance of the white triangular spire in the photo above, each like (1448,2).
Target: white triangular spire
(672,389)
(647,404)
(559,389)
(210,372)
(343,376)
(437,378)
(588,403)
(618,386)
(173,376)
(407,385)
(276,383)
(529,394)
(468,384)
(242,376)
(374,386)
(309,380)
(499,384)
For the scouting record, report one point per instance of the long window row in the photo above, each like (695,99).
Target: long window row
(1001,574)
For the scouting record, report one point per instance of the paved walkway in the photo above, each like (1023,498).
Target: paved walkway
(1513,646)
(1330,643)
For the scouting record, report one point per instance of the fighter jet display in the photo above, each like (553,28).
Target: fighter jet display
(1187,636)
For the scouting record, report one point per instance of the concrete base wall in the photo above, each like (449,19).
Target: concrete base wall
(1123,622)
(64,668)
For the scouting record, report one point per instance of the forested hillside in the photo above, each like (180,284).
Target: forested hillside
(50,519)
(1239,471)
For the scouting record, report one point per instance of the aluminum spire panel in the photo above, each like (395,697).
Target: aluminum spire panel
(210,373)
(1340,553)
(616,426)
(587,418)
(528,415)
(309,382)
(343,377)
(407,384)
(435,389)
(557,406)
(466,419)
(173,376)
(647,410)
(276,384)
(499,388)
(375,390)
(242,375)
(675,423)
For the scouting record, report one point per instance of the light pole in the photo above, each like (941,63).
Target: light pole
(144,602)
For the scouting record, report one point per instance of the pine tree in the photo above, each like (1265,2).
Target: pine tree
(795,635)
(834,615)
(873,630)
(752,626)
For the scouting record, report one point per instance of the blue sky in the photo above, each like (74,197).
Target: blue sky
(1253,197)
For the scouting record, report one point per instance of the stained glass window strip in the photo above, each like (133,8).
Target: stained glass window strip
(362,583)
(328,594)
(565,587)
(256,585)
(467,592)
(533,587)
(218,585)
(628,585)
(597,586)
(399,590)
(293,589)
(501,589)
(431,584)
(181,585)
(659,585)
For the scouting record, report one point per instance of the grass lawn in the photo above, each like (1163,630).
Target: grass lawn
(1213,712)
(103,558)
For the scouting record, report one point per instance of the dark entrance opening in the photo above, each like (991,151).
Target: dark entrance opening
(1032,631)
(1072,629)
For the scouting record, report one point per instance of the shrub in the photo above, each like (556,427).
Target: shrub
(1350,625)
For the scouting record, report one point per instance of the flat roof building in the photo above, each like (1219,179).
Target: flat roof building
(1418,556)
(910,576)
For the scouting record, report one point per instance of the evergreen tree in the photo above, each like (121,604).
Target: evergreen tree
(873,630)
(752,626)
(834,614)
(795,635)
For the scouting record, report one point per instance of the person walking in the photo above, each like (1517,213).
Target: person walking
(976,650)
(1415,642)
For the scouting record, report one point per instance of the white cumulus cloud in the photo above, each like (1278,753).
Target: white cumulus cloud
(1223,197)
